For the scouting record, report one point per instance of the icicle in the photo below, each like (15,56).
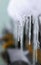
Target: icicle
(34,43)
(21,33)
(35,40)
(39,22)
(29,21)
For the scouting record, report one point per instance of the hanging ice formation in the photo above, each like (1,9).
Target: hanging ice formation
(17,10)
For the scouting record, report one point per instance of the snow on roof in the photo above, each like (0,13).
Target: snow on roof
(19,8)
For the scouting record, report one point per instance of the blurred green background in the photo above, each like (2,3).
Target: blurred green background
(3,19)
(3,14)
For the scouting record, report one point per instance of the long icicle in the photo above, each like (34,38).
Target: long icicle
(29,21)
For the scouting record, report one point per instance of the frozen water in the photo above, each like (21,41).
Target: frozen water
(19,8)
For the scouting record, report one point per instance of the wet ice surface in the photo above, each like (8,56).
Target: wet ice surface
(18,55)
(2,62)
(19,63)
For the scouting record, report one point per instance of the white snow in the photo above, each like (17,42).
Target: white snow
(19,8)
